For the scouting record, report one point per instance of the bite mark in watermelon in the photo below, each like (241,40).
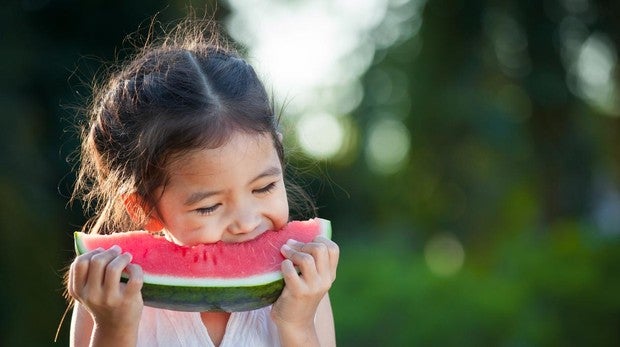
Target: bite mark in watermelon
(208,277)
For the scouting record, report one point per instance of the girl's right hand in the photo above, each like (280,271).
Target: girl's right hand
(95,282)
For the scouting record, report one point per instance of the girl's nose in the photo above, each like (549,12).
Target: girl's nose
(245,221)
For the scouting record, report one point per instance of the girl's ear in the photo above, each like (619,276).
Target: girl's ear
(137,210)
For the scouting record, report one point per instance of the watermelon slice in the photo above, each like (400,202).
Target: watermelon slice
(208,277)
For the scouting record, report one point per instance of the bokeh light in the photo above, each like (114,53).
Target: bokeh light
(444,254)
(594,67)
(590,59)
(320,135)
(388,146)
(509,42)
(312,55)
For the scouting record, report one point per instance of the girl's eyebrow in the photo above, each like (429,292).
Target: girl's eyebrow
(198,196)
(271,171)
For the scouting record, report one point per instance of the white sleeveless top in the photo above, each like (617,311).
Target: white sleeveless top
(166,328)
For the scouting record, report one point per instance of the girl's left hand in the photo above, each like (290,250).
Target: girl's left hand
(317,261)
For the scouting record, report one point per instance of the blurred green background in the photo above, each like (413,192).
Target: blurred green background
(474,189)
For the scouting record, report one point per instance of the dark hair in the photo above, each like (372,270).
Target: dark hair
(190,90)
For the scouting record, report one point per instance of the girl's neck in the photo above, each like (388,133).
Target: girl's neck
(215,322)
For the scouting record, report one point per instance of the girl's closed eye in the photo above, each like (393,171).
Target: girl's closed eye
(207,210)
(266,189)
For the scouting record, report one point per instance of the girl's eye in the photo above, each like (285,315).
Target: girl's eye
(265,189)
(207,210)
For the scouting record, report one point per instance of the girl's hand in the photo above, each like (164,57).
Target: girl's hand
(297,305)
(95,282)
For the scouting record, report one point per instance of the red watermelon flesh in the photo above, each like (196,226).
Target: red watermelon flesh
(158,256)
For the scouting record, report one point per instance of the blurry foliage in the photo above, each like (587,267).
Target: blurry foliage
(507,159)
(532,289)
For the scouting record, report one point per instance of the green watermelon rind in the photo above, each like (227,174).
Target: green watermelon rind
(200,299)
(199,295)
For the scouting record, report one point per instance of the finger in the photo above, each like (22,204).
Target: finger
(78,272)
(333,251)
(98,264)
(113,271)
(291,278)
(318,251)
(136,278)
(303,260)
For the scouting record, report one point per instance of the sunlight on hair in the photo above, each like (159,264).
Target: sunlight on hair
(444,254)
(388,146)
(312,54)
(320,135)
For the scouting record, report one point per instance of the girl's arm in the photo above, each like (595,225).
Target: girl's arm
(320,333)
(107,312)
(324,323)
(303,312)
(81,326)
(84,334)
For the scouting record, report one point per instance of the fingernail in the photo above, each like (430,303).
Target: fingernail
(292,242)
(116,248)
(129,255)
(286,248)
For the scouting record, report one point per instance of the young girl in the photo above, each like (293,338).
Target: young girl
(183,141)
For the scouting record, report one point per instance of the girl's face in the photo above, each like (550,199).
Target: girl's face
(232,193)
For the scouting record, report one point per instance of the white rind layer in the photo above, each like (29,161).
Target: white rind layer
(249,281)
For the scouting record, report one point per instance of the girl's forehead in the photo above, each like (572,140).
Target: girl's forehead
(240,148)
